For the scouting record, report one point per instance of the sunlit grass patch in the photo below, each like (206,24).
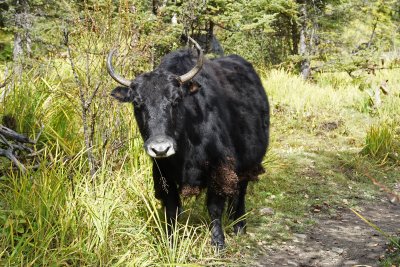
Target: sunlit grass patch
(301,96)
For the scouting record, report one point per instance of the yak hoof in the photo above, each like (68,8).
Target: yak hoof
(219,244)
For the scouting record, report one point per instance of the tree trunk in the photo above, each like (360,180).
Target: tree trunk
(295,38)
(209,35)
(22,36)
(303,49)
(18,51)
(373,33)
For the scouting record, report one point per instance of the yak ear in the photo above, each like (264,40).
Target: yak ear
(122,94)
(192,87)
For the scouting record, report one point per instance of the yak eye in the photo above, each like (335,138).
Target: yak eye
(137,103)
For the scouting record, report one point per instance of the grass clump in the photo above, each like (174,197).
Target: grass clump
(392,257)
(382,141)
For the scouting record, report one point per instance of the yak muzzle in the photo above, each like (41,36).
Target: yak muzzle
(159,146)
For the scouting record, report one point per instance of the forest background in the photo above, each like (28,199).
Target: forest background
(78,190)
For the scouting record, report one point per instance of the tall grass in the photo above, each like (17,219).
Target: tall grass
(55,216)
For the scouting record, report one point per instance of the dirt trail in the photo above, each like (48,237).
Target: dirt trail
(343,240)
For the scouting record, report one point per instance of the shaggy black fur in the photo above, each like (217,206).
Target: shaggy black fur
(219,124)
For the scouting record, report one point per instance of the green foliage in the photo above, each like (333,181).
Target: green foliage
(354,35)
(264,31)
(5,46)
(255,30)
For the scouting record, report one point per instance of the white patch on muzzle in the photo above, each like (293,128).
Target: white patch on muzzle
(159,147)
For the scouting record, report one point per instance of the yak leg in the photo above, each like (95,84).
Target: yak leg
(167,192)
(237,209)
(172,206)
(215,205)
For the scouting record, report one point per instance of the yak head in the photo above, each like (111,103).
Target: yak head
(156,97)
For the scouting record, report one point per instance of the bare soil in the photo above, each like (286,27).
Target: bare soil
(339,240)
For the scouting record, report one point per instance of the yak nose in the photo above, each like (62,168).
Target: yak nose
(160,147)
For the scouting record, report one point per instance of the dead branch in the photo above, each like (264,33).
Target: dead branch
(329,67)
(9,154)
(10,134)
(13,143)
(384,87)
(3,84)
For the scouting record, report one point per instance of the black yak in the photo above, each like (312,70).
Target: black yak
(205,123)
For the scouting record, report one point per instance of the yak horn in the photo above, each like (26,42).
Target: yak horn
(186,77)
(110,69)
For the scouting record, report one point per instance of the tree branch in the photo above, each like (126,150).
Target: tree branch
(85,104)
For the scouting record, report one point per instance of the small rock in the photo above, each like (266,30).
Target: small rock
(267,211)
(292,263)
(337,250)
(373,256)
(307,249)
(330,125)
(350,262)
(301,236)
